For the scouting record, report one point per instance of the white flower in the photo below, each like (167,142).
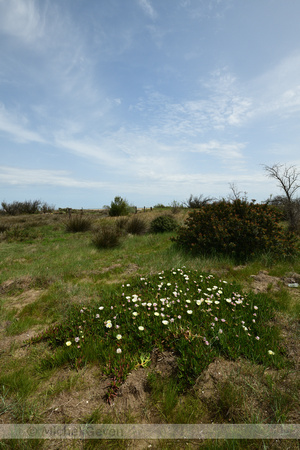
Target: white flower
(119,336)
(149,304)
(270,352)
(255,307)
(68,343)
(189,311)
(108,324)
(134,313)
(165,322)
(141,328)
(156,314)
(119,350)
(101,307)
(199,302)
(188,301)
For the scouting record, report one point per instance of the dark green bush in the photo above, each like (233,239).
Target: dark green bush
(78,223)
(108,236)
(136,225)
(119,207)
(162,224)
(238,229)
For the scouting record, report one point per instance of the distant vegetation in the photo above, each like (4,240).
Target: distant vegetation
(26,207)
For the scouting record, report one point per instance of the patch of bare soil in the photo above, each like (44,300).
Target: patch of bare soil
(290,333)
(27,297)
(16,284)
(16,343)
(239,391)
(17,302)
(263,282)
(75,405)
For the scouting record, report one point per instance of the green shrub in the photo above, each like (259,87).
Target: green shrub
(78,223)
(108,236)
(119,207)
(238,229)
(162,224)
(136,225)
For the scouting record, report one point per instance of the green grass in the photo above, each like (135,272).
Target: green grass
(68,274)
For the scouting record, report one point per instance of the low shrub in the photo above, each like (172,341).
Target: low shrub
(136,225)
(162,224)
(108,236)
(197,316)
(238,229)
(78,223)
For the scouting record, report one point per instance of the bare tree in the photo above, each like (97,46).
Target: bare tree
(236,194)
(288,178)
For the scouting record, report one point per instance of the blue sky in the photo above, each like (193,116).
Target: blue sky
(151,100)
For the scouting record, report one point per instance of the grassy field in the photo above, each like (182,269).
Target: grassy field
(142,333)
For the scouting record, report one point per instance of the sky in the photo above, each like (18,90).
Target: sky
(150,100)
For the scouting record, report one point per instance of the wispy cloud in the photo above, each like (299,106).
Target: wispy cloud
(40,177)
(147,8)
(16,126)
(277,91)
(21,19)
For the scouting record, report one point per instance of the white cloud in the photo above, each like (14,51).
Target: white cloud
(21,19)
(277,91)
(27,177)
(147,8)
(15,125)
